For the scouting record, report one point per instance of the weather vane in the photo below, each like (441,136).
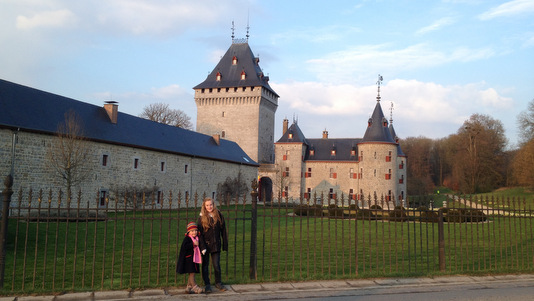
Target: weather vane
(391,113)
(233,28)
(378,82)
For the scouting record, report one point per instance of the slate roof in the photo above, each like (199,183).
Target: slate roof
(231,74)
(400,153)
(297,136)
(322,147)
(377,129)
(34,110)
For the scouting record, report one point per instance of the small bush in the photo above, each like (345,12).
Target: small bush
(305,210)
(375,207)
(454,216)
(398,215)
(429,217)
(365,214)
(353,207)
(335,212)
(475,216)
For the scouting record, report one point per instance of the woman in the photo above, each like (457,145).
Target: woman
(212,229)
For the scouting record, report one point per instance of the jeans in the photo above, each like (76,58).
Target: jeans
(216,263)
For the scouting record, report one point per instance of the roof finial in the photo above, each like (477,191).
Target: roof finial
(233,28)
(391,113)
(248,27)
(378,82)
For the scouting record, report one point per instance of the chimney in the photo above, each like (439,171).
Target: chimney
(286,124)
(325,134)
(217,139)
(112,109)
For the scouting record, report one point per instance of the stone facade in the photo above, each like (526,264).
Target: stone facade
(185,175)
(236,102)
(244,115)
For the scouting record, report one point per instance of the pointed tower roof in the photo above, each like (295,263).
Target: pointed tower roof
(237,68)
(377,126)
(293,135)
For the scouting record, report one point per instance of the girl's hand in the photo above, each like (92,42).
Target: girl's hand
(195,242)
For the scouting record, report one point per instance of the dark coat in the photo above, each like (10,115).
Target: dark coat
(213,238)
(185,263)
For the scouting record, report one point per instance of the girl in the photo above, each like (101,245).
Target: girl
(213,234)
(189,258)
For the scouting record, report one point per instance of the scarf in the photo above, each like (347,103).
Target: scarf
(196,250)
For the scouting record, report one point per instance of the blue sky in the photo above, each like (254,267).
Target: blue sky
(441,61)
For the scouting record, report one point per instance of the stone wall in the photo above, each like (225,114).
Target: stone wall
(166,172)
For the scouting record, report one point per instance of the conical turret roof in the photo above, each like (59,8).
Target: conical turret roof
(377,128)
(237,68)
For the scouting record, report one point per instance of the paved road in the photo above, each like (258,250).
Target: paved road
(492,288)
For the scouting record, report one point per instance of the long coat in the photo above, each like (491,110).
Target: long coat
(215,237)
(185,263)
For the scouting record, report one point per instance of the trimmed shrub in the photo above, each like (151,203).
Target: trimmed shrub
(353,207)
(454,216)
(335,212)
(475,216)
(398,215)
(375,207)
(365,214)
(429,217)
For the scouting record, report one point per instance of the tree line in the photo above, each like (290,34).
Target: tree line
(474,159)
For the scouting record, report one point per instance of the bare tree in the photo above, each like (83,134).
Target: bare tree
(68,153)
(480,153)
(162,113)
(525,122)
(232,189)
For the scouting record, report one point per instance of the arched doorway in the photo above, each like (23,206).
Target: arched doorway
(266,190)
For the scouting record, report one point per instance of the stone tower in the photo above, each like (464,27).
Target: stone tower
(378,157)
(237,103)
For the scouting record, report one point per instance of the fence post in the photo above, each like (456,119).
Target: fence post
(6,192)
(441,241)
(253,230)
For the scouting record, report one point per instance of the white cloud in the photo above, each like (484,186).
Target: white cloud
(420,108)
(57,18)
(436,25)
(508,9)
(348,65)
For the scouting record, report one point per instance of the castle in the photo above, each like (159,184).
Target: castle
(235,135)
(236,102)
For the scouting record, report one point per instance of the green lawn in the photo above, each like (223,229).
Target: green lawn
(138,249)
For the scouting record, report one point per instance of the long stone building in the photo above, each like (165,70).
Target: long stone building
(124,152)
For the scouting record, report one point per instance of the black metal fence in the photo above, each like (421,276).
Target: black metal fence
(71,245)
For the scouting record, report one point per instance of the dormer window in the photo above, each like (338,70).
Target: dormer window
(369,122)
(384,122)
(333,152)
(234,60)
(243,75)
(312,152)
(218,77)
(290,136)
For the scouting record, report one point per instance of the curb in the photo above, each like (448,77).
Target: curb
(280,287)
